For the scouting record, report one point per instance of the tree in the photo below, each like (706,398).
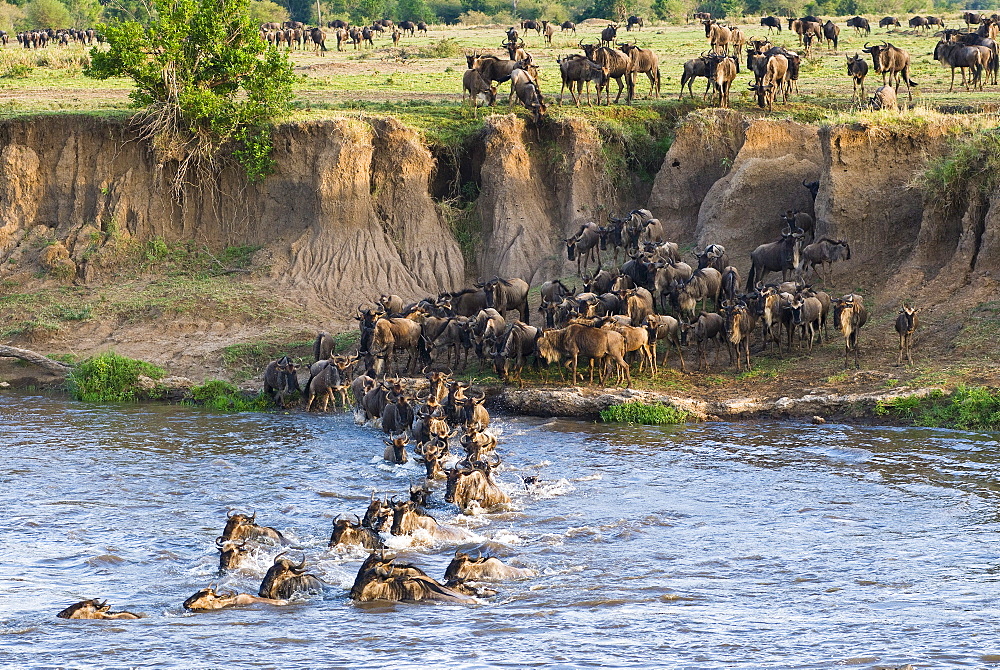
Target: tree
(266,11)
(208,84)
(414,10)
(47,14)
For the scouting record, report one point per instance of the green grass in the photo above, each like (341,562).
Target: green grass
(655,414)
(109,377)
(965,408)
(225,397)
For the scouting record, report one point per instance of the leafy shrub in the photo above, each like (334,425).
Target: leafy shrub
(656,414)
(965,408)
(109,377)
(225,397)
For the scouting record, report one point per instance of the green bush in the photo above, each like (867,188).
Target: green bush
(225,397)
(109,377)
(656,414)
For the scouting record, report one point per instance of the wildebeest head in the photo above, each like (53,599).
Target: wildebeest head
(86,609)
(377,514)
(230,553)
(207,600)
(398,446)
(234,521)
(347,532)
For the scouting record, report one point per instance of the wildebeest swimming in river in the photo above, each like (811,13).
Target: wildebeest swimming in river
(94,609)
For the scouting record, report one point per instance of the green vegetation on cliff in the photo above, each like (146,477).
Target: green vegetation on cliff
(109,377)
(965,408)
(655,414)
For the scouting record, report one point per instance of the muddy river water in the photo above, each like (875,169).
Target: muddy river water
(767,545)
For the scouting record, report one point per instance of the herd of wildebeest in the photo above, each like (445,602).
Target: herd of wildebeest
(775,68)
(431,418)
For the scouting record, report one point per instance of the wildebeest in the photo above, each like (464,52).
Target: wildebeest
(568,25)
(668,329)
(609,34)
(918,22)
(281,380)
(285,578)
(708,327)
(549,31)
(347,533)
(888,21)
(321,387)
(577,341)
(421,27)
(230,553)
(693,68)
(957,55)
(507,294)
(408,27)
(771,22)
(643,61)
(527,92)
(207,600)
(719,37)
(318,37)
(381,579)
(857,67)
(850,315)
(794,219)
(780,256)
(703,284)
(584,246)
(474,486)
(531,24)
(243,527)
(395,449)
(806,313)
(739,326)
(483,568)
(971,19)
(634,21)
(722,73)
(408,518)
(824,252)
(893,63)
(775,75)
(94,609)
(617,65)
(860,25)
(481,93)
(884,98)
(906,323)
(831,33)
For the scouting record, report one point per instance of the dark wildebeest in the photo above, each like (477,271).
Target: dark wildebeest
(609,34)
(284,579)
(408,27)
(318,37)
(347,533)
(408,518)
(531,24)
(739,326)
(231,553)
(696,67)
(888,21)
(781,256)
(771,23)
(94,609)
(709,327)
(857,67)
(774,82)
(381,579)
(893,63)
(568,25)
(804,222)
(584,246)
(281,380)
(918,22)
(806,313)
(514,347)
(860,24)
(971,19)
(831,33)
(957,55)
(324,346)
(850,315)
(504,295)
(421,27)
(483,568)
(668,329)
(906,323)
(824,252)
(634,21)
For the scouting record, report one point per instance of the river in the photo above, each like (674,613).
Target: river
(766,545)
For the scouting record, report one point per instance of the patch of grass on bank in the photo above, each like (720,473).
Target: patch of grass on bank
(965,408)
(972,162)
(655,414)
(109,377)
(225,397)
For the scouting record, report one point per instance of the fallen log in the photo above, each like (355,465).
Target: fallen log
(49,364)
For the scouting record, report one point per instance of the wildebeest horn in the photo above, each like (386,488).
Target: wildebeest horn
(219,542)
(301,566)
(253,516)
(358,519)
(230,514)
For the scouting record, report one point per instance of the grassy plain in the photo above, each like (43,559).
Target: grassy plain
(420,80)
